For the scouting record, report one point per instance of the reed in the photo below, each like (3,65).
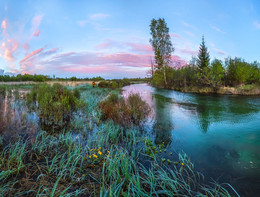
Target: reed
(103,159)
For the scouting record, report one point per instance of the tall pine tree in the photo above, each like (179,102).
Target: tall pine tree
(203,56)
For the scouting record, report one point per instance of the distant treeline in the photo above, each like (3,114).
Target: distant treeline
(83,79)
(41,78)
(232,72)
(25,77)
(119,83)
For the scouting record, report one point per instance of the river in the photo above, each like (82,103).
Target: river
(220,133)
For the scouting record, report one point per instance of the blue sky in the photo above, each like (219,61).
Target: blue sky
(110,38)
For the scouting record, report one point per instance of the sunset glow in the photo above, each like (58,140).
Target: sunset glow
(111,38)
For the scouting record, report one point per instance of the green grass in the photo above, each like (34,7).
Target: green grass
(100,159)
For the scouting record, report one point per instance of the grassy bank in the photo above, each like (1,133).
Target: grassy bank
(251,89)
(97,157)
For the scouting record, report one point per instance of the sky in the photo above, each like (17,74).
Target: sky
(110,38)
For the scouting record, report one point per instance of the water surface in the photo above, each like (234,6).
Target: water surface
(221,133)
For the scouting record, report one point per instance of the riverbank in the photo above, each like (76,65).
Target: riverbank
(92,157)
(247,90)
(220,133)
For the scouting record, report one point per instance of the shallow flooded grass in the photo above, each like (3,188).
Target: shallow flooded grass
(96,158)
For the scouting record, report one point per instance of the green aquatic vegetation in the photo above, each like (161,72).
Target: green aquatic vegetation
(151,150)
(56,103)
(64,165)
(12,156)
(2,90)
(125,111)
(103,161)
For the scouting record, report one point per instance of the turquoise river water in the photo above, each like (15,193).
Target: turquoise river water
(220,133)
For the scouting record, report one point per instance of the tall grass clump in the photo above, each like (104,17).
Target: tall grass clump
(124,111)
(113,84)
(55,104)
(2,90)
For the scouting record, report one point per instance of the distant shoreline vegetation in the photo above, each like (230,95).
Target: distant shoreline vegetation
(43,78)
(234,76)
(200,75)
(105,83)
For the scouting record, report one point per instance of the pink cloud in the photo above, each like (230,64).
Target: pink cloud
(32,61)
(88,59)
(188,50)
(220,52)
(141,47)
(89,69)
(132,46)
(173,35)
(126,59)
(37,33)
(8,48)
(36,21)
(189,26)
(177,61)
(108,44)
(8,55)
(4,25)
(217,29)
(189,33)
(12,43)
(33,53)
(105,64)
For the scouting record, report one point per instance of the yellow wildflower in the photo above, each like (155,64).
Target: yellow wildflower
(108,155)
(108,151)
(99,148)
(89,157)
(99,152)
(182,164)
(95,156)
(92,149)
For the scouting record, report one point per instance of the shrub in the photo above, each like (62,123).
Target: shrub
(115,83)
(55,103)
(125,111)
(104,84)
